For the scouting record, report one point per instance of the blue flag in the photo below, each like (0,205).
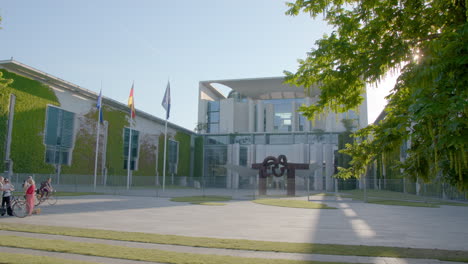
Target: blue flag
(166,102)
(99,106)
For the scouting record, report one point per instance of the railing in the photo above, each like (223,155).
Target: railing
(242,188)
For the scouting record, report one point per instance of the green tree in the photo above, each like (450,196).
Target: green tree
(427,41)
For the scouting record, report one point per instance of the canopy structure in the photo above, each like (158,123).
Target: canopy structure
(262,88)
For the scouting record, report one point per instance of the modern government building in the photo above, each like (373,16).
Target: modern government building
(49,126)
(259,118)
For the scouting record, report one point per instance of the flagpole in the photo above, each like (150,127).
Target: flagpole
(164,162)
(131,104)
(166,103)
(129,151)
(97,137)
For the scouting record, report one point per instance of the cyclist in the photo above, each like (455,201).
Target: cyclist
(46,188)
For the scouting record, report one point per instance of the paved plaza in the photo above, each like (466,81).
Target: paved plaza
(353,223)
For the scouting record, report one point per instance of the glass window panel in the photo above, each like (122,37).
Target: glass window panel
(64,157)
(51,126)
(217,140)
(59,127)
(213,127)
(215,170)
(213,106)
(213,117)
(316,138)
(243,156)
(135,139)
(300,138)
(68,120)
(259,139)
(173,151)
(243,140)
(281,139)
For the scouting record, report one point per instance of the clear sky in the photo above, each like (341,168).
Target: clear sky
(150,42)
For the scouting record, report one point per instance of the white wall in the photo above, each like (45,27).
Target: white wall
(241,117)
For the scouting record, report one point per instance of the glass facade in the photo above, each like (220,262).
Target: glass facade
(213,117)
(216,149)
(134,148)
(283,113)
(58,136)
(215,171)
(173,155)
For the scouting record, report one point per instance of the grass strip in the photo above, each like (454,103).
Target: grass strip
(14,258)
(403,203)
(242,244)
(140,254)
(212,203)
(293,203)
(391,195)
(322,194)
(201,199)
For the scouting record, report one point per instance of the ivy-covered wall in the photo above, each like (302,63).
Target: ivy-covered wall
(115,157)
(27,147)
(183,168)
(147,155)
(198,159)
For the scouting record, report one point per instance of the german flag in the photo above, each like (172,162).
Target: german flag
(131,103)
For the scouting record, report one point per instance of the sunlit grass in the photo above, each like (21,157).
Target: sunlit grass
(293,203)
(13,258)
(398,198)
(322,194)
(131,253)
(201,199)
(403,203)
(242,244)
(212,203)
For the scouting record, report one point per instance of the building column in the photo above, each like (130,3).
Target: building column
(329,166)
(317,152)
(294,117)
(260,116)
(229,160)
(251,115)
(269,117)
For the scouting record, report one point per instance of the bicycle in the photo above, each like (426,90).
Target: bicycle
(19,207)
(50,198)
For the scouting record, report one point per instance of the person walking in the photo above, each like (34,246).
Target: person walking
(7,189)
(30,195)
(2,209)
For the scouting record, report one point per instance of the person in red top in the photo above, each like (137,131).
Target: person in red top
(30,193)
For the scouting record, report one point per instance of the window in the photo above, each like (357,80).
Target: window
(134,148)
(283,115)
(173,155)
(280,139)
(58,136)
(213,117)
(243,156)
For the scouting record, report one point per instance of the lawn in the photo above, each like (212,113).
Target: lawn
(203,200)
(308,248)
(293,203)
(131,253)
(398,198)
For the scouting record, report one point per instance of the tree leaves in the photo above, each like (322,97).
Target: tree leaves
(429,104)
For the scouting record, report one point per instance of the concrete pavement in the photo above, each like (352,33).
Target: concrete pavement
(353,223)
